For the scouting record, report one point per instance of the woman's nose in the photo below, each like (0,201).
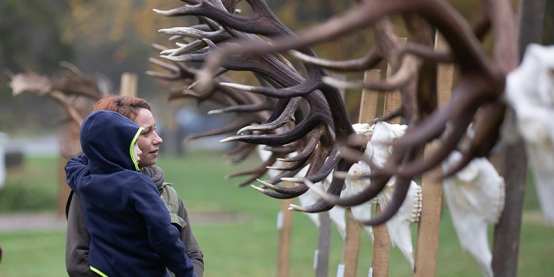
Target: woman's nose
(157,139)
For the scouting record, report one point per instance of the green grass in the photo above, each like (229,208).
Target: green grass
(249,246)
(33,253)
(32,187)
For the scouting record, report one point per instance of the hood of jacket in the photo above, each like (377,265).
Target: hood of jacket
(107,139)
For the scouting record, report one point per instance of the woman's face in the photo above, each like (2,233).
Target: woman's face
(149,141)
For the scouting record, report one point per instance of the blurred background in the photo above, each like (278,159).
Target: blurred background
(108,38)
(102,37)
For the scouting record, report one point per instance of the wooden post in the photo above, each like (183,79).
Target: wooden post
(514,159)
(370,99)
(323,245)
(128,84)
(381,243)
(351,246)
(368,112)
(431,190)
(70,145)
(285,224)
(381,249)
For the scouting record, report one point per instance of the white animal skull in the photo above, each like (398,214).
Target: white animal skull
(475,199)
(379,148)
(530,91)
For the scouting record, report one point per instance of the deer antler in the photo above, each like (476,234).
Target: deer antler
(314,106)
(62,90)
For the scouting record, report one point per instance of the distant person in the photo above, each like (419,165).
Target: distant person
(129,224)
(77,237)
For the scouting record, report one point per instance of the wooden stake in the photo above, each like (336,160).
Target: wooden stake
(370,99)
(324,245)
(381,243)
(351,248)
(70,145)
(381,249)
(429,222)
(128,84)
(368,112)
(283,259)
(428,228)
(514,159)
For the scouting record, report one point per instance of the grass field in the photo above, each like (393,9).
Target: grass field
(245,245)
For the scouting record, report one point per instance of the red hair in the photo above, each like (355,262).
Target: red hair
(124,105)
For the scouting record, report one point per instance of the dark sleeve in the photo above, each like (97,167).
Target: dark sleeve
(77,241)
(74,169)
(192,247)
(163,236)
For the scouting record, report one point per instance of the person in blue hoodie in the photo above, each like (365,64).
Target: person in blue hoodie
(129,225)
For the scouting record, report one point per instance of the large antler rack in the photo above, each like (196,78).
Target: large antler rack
(65,90)
(476,98)
(299,100)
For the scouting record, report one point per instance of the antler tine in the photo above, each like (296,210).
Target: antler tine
(319,114)
(278,195)
(192,32)
(427,131)
(242,119)
(313,140)
(505,49)
(262,22)
(76,84)
(255,172)
(177,71)
(73,113)
(485,135)
(292,165)
(289,192)
(296,133)
(368,193)
(387,45)
(335,188)
(262,106)
(72,68)
(285,116)
(397,81)
(369,60)
(242,149)
(187,48)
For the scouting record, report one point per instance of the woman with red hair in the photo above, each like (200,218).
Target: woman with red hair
(77,236)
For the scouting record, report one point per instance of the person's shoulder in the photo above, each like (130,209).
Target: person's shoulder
(140,176)
(138,182)
(132,178)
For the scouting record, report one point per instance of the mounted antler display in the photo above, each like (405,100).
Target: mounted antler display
(312,105)
(64,90)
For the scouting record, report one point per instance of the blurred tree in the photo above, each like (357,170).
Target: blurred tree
(31,33)
(108,37)
(113,37)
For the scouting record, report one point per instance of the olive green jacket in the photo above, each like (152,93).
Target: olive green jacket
(78,239)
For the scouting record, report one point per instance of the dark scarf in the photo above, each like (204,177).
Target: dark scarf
(156,174)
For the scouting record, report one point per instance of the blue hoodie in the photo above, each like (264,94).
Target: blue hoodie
(129,225)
